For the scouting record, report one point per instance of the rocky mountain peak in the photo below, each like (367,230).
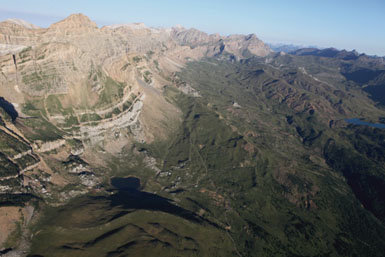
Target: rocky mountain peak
(75,21)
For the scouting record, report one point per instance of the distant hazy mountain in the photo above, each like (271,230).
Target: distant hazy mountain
(327,52)
(335,53)
(286,48)
(22,23)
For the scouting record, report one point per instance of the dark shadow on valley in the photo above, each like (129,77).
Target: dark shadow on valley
(129,196)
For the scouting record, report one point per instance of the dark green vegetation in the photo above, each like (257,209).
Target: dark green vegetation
(7,167)
(361,160)
(291,202)
(262,164)
(363,71)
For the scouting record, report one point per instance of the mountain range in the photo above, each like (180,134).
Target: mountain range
(128,140)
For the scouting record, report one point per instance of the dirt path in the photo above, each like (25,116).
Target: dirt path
(231,238)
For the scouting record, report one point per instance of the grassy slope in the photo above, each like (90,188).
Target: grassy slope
(85,232)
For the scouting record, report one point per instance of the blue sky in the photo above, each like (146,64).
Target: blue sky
(353,24)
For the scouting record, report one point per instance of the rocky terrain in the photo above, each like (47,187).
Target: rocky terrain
(238,150)
(79,90)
